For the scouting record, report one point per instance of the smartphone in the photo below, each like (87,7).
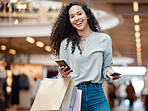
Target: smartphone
(63,63)
(115,74)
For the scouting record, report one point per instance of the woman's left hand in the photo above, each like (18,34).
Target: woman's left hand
(109,72)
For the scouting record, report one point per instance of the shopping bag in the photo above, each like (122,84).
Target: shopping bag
(77,104)
(53,95)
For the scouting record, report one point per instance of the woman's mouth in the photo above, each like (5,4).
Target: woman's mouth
(78,24)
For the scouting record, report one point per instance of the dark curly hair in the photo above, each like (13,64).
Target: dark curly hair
(63,29)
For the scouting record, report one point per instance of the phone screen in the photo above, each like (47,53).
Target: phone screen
(63,63)
(115,74)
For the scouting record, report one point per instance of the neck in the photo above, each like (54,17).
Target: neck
(84,33)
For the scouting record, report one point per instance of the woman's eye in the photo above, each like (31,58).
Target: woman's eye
(71,16)
(79,13)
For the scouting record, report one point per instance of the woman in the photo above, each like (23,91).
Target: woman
(76,39)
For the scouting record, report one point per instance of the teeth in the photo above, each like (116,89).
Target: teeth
(78,23)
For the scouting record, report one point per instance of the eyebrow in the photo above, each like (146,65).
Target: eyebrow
(73,14)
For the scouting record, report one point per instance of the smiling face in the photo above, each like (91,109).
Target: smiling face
(78,18)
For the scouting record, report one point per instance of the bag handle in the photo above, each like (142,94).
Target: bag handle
(57,76)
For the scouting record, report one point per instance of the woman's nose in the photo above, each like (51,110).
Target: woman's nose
(76,17)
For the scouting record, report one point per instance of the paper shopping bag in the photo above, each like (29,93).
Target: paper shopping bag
(77,104)
(53,95)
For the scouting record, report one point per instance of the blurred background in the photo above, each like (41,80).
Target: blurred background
(26,58)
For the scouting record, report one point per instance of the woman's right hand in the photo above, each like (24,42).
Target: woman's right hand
(63,72)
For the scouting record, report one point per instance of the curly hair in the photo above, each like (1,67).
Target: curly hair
(63,29)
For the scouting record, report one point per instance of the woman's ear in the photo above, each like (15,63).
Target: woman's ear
(87,16)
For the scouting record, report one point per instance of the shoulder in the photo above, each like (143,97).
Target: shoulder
(64,42)
(102,36)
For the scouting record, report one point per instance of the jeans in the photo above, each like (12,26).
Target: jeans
(93,98)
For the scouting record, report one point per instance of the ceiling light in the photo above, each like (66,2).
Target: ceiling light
(135,6)
(9,81)
(40,44)
(9,73)
(16,21)
(48,48)
(138,49)
(3,47)
(138,45)
(21,6)
(136,18)
(137,34)
(137,28)
(139,54)
(8,88)
(12,51)
(139,59)
(138,40)
(13,1)
(24,6)
(30,40)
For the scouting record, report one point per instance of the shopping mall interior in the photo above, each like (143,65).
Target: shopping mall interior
(25,28)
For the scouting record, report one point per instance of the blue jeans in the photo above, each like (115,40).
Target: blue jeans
(93,98)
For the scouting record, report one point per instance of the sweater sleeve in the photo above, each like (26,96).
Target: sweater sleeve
(107,59)
(63,51)
(63,54)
